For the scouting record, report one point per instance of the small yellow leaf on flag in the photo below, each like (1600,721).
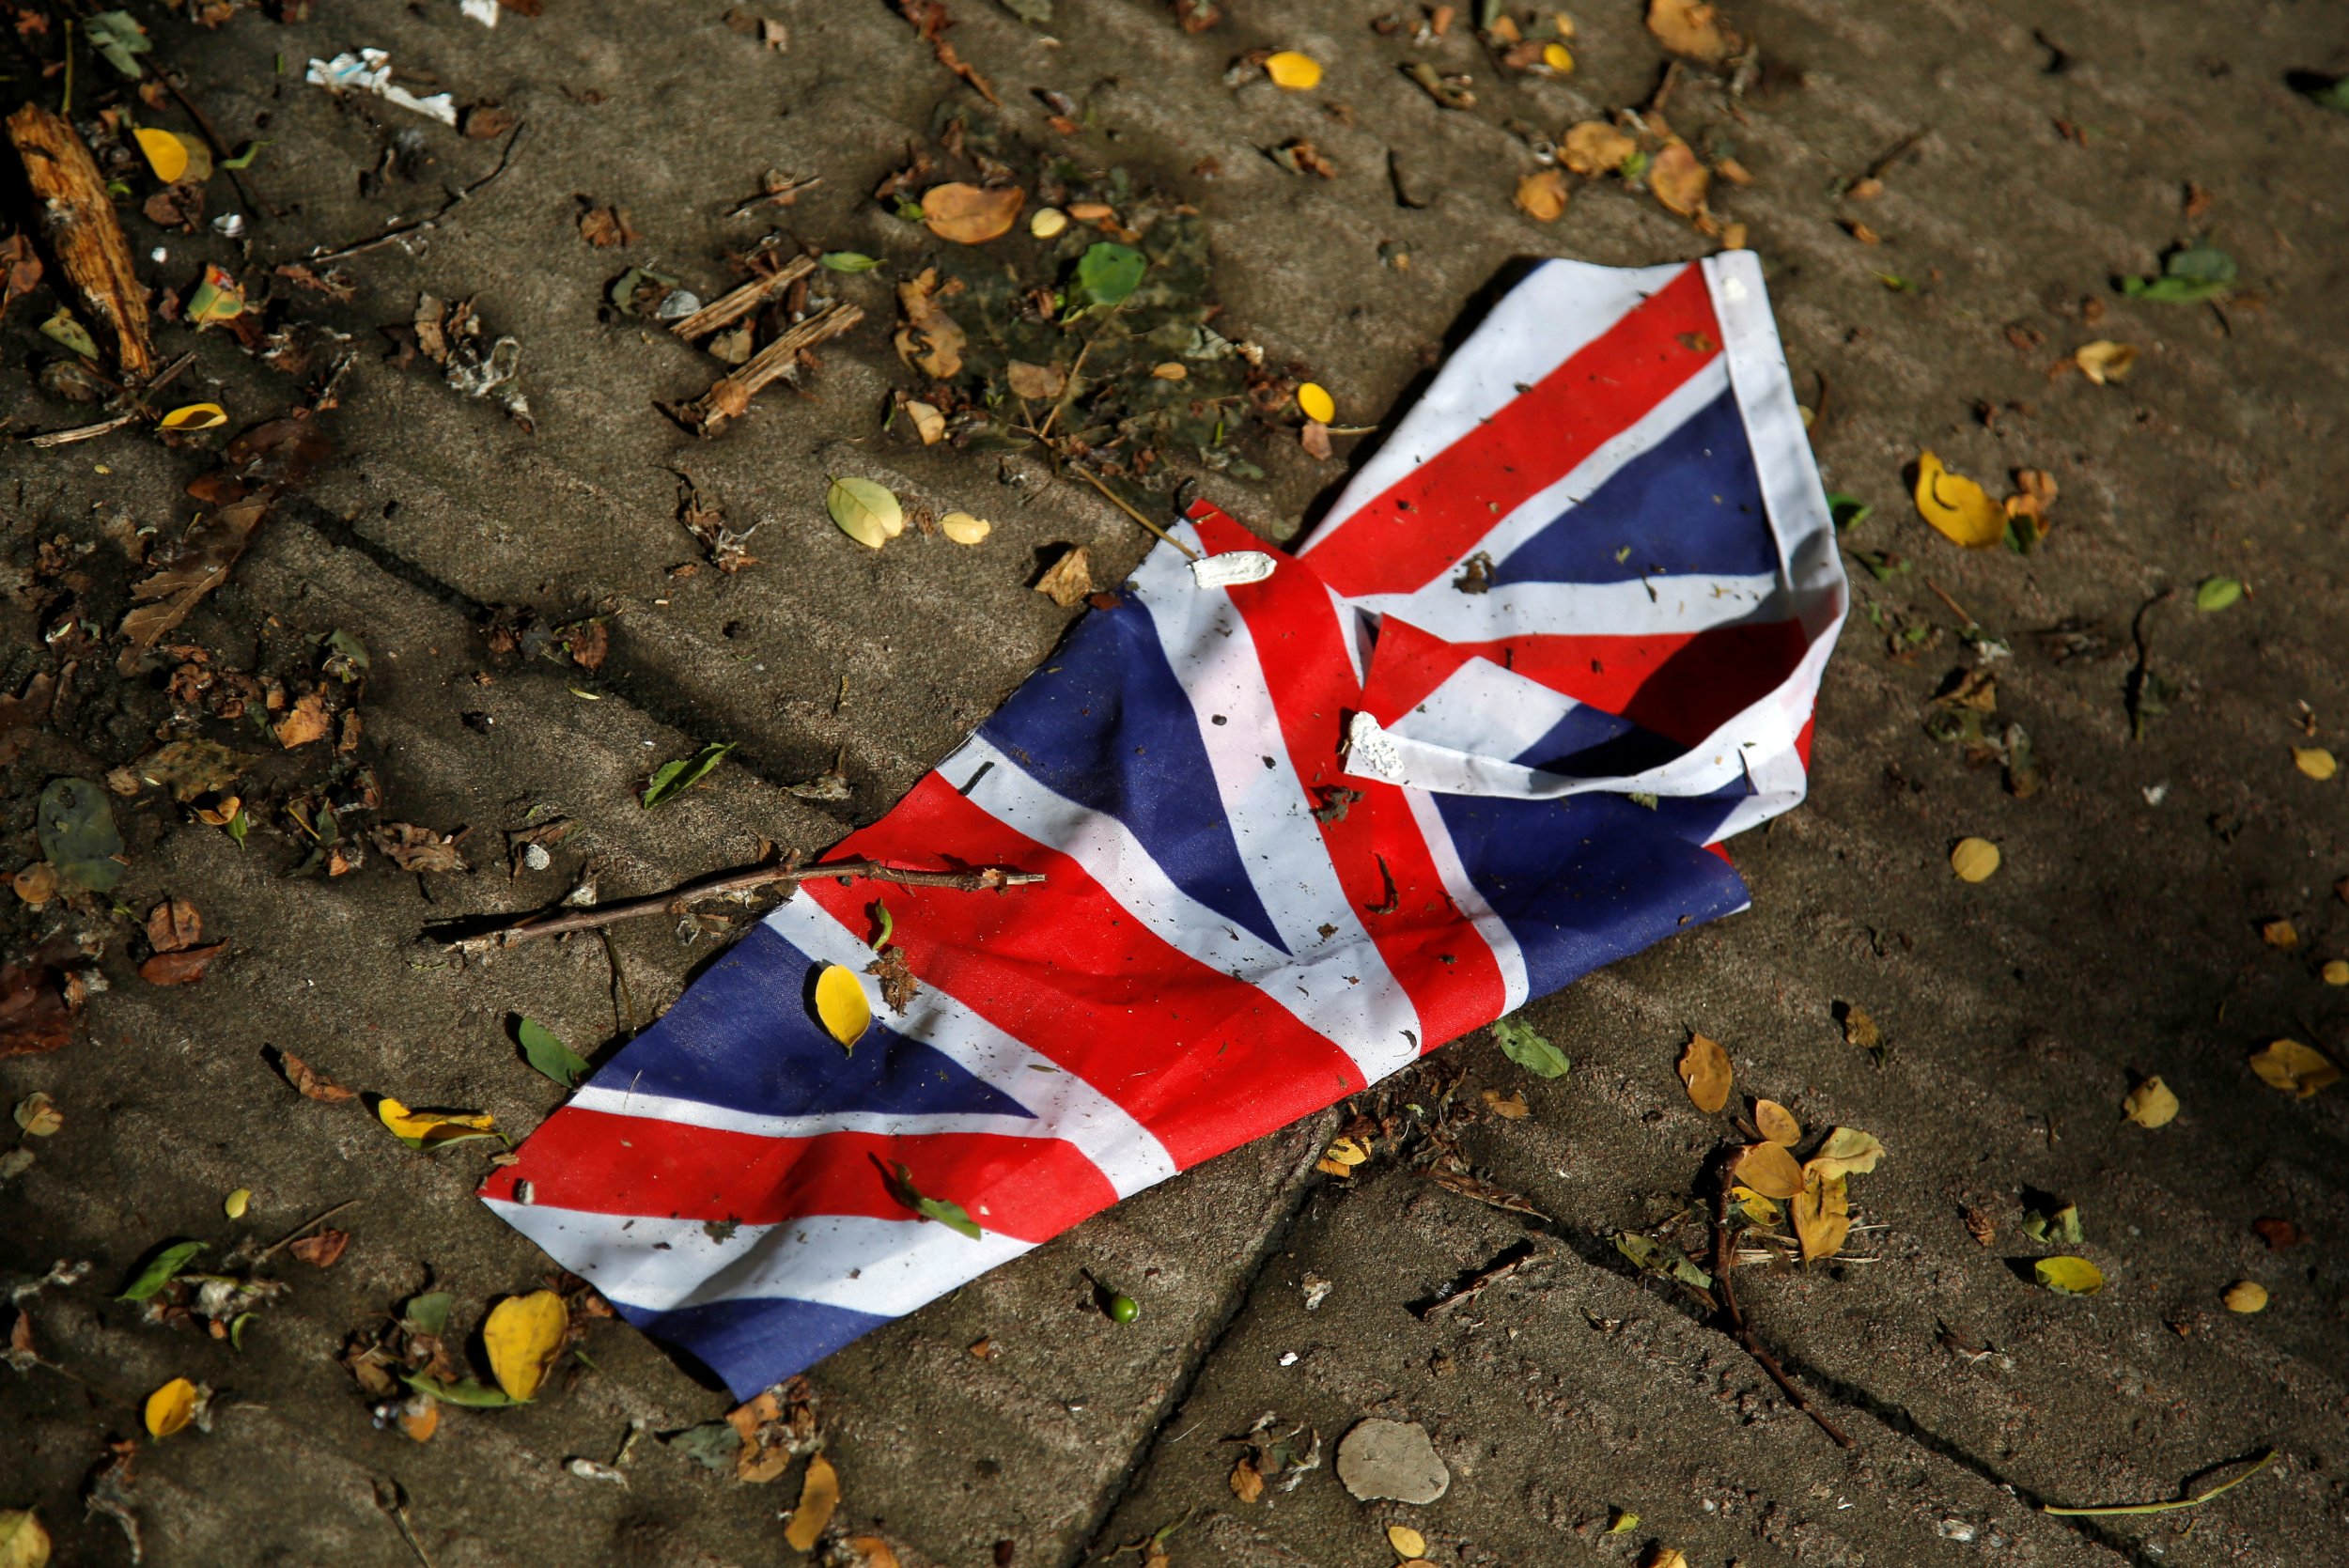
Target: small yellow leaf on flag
(523,1335)
(842,1005)
(1960,509)
(1297,72)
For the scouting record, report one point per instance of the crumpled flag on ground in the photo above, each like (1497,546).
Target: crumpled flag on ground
(1542,769)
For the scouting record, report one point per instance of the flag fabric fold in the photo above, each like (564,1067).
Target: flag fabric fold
(1303,817)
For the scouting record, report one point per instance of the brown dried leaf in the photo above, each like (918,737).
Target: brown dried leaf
(199,565)
(313,1084)
(173,925)
(898,984)
(929,340)
(1070,579)
(184,968)
(971,214)
(606,226)
(1247,1481)
(1596,148)
(1542,196)
(305,721)
(37,1008)
(321,1249)
(1679,179)
(1704,1068)
(1687,27)
(1036,383)
(412,847)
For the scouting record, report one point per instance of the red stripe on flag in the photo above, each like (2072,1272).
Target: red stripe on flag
(1434,515)
(1682,687)
(1434,953)
(1204,1061)
(1029,1188)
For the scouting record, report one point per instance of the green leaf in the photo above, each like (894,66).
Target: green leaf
(345,657)
(1108,271)
(244,159)
(944,1210)
(672,779)
(119,36)
(62,328)
(236,1330)
(2203,263)
(1848,511)
(77,832)
(2333,96)
(160,1270)
(1634,165)
(888,924)
(867,512)
(427,1314)
(2057,1228)
(2177,291)
(2218,593)
(549,1055)
(848,261)
(472,1393)
(714,1444)
(1522,1044)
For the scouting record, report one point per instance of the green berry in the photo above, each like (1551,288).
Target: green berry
(1124,1308)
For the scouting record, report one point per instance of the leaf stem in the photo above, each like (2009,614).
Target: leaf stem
(2197,1500)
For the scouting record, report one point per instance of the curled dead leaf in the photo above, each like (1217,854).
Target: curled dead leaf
(1679,179)
(971,214)
(819,1495)
(2105,361)
(1596,148)
(1704,1068)
(1958,507)
(1687,27)
(1070,579)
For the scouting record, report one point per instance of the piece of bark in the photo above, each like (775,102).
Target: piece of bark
(80,218)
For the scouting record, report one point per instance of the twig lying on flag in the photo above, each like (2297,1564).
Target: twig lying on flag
(725,883)
(1740,1330)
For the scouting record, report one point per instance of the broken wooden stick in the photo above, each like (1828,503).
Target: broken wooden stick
(735,304)
(1734,1317)
(80,219)
(729,397)
(677,901)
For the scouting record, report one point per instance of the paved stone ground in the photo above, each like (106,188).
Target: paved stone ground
(2120,938)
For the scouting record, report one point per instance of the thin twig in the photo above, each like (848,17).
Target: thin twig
(393,1500)
(1742,1332)
(424,225)
(1955,608)
(677,901)
(729,396)
(2264,1460)
(1086,474)
(304,1229)
(738,302)
(1477,1286)
(211,137)
(108,426)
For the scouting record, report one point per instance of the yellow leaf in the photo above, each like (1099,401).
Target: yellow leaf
(1623,1523)
(1665,1557)
(2335,971)
(433,1127)
(523,1335)
(236,1203)
(2280,933)
(1776,1123)
(420,1418)
(2151,1104)
(195,416)
(873,1552)
(842,1005)
(1704,1068)
(1961,509)
(1346,1151)
(1848,1152)
(1679,179)
(2294,1068)
(1048,223)
(2316,761)
(820,1494)
(165,154)
(24,1544)
(1822,1216)
(170,1408)
(1315,402)
(1768,1170)
(1406,1541)
(2246,1296)
(1975,859)
(963,529)
(1297,72)
(1758,1208)
(1687,27)
(2105,361)
(2069,1276)
(1542,196)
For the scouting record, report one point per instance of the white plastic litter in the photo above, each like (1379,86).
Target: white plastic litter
(370,71)
(1233,568)
(483,12)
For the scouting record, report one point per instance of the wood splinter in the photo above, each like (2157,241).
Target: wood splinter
(730,396)
(80,219)
(677,901)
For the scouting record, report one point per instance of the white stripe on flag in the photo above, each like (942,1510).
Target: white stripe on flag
(1646,607)
(719,1118)
(886,1267)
